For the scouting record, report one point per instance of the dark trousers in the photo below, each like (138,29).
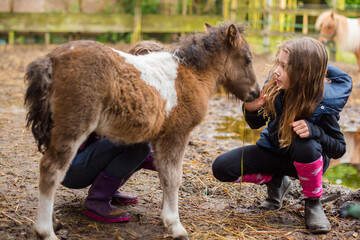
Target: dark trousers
(256,159)
(103,155)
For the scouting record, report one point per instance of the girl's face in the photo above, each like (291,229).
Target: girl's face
(281,76)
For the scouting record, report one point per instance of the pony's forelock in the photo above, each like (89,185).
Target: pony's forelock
(322,18)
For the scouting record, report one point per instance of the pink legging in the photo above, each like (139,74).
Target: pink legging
(256,178)
(310,176)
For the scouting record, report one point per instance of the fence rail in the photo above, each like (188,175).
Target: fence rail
(266,23)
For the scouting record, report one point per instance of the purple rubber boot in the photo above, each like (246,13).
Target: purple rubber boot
(97,203)
(148,163)
(127,198)
(122,198)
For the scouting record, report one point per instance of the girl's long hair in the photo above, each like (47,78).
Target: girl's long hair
(306,68)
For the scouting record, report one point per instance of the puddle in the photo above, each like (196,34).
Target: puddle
(343,174)
(236,128)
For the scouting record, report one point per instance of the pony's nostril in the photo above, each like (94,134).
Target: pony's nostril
(255,94)
(252,96)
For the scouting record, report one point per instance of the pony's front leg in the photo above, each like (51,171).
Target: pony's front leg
(170,182)
(169,154)
(357,54)
(52,171)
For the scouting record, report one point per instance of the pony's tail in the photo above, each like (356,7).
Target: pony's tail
(37,101)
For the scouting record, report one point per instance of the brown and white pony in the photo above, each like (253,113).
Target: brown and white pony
(345,32)
(84,86)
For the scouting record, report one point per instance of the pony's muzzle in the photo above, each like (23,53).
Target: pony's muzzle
(325,42)
(253,94)
(324,39)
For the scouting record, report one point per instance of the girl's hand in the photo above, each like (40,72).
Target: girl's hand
(301,128)
(256,104)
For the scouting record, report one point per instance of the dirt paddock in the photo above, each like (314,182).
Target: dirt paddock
(208,208)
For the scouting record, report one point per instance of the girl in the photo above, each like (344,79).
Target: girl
(106,167)
(301,110)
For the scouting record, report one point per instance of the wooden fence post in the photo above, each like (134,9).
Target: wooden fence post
(267,21)
(47,38)
(233,10)
(305,29)
(11,37)
(136,36)
(11,6)
(190,3)
(225,9)
(184,7)
(291,18)
(184,12)
(80,6)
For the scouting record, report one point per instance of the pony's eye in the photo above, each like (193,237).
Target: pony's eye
(248,60)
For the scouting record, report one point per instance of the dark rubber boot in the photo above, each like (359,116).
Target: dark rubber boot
(277,188)
(127,198)
(149,162)
(122,198)
(97,203)
(315,218)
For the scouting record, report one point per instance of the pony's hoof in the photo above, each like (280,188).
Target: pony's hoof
(46,236)
(182,238)
(53,237)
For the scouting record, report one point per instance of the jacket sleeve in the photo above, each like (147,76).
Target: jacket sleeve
(253,119)
(329,134)
(339,77)
(338,90)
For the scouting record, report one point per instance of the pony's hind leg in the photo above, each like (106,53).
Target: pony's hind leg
(53,166)
(169,154)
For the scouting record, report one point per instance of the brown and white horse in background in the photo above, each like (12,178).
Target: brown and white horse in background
(84,86)
(345,32)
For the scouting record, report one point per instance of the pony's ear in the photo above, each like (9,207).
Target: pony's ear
(332,15)
(207,26)
(233,35)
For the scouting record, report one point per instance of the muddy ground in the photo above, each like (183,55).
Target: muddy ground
(209,209)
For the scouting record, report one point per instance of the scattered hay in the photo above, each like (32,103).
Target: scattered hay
(208,208)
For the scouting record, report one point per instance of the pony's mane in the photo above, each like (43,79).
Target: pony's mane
(196,49)
(146,47)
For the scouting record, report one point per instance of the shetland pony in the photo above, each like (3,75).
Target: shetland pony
(84,86)
(344,31)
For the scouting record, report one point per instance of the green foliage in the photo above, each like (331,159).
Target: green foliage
(111,37)
(75,7)
(349,4)
(352,2)
(343,174)
(20,40)
(147,6)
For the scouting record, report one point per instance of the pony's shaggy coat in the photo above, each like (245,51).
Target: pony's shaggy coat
(344,31)
(84,86)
